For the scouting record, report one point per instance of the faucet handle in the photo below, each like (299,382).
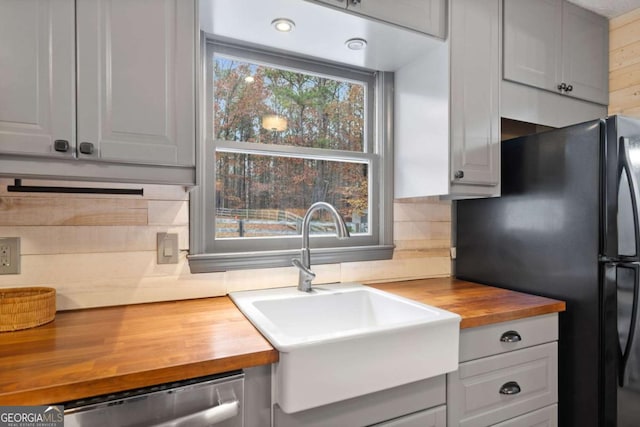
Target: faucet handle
(307,272)
(306,276)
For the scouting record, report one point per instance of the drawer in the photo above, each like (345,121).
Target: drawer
(545,417)
(493,389)
(507,336)
(436,417)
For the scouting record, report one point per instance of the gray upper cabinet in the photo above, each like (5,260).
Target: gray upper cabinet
(475,95)
(136,76)
(556,46)
(585,53)
(532,48)
(37,77)
(427,16)
(447,110)
(98,89)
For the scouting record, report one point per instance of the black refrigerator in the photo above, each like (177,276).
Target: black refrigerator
(567,227)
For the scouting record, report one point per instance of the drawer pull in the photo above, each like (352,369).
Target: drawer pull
(61,145)
(86,148)
(511,336)
(510,388)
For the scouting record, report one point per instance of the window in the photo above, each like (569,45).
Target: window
(281,133)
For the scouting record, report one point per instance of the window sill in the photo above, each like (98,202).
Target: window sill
(208,263)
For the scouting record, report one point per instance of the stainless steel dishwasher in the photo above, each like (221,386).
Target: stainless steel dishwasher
(208,401)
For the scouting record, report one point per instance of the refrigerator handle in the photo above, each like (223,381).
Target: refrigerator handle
(627,168)
(624,352)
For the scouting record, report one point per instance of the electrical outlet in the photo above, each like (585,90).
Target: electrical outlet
(167,248)
(9,255)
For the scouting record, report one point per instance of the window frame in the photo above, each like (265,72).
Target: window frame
(208,254)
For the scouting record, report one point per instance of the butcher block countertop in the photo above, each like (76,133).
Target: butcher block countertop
(477,304)
(98,351)
(104,350)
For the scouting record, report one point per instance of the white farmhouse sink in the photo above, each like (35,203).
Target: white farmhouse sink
(346,340)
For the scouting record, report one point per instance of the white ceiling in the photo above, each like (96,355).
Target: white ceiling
(320,32)
(608,8)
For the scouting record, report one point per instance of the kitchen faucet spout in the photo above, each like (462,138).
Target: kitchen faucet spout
(304,264)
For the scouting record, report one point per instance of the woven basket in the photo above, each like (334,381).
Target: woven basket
(23,308)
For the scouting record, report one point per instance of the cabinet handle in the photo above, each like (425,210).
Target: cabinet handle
(355,2)
(562,87)
(86,148)
(458,174)
(569,88)
(510,388)
(61,145)
(511,336)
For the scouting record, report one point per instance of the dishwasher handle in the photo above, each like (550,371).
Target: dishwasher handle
(210,416)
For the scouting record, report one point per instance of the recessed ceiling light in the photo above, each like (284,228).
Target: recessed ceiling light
(249,79)
(356,44)
(283,25)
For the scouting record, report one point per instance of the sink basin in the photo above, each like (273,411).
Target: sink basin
(346,340)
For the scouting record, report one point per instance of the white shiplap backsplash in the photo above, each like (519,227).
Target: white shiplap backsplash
(99,250)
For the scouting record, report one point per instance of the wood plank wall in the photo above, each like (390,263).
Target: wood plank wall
(99,250)
(624,64)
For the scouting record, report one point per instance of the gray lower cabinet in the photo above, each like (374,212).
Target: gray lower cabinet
(421,403)
(257,396)
(508,375)
(545,417)
(436,417)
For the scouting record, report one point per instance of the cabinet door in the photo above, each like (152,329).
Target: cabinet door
(37,76)
(475,81)
(136,73)
(585,45)
(427,16)
(532,42)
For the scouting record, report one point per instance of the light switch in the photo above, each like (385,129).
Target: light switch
(9,255)
(167,248)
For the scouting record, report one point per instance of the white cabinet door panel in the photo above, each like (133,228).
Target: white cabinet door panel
(585,50)
(37,59)
(135,86)
(532,48)
(475,81)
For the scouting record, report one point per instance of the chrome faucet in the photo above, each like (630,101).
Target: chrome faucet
(304,263)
